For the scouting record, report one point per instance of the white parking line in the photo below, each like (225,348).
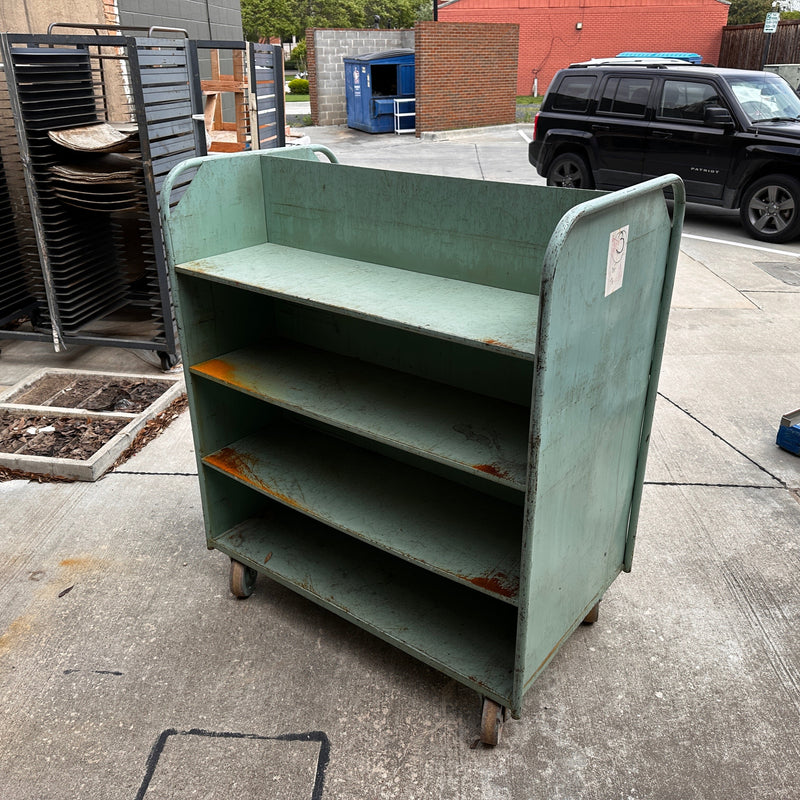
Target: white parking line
(741,244)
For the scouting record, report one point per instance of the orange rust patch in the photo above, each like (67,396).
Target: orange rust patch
(219,369)
(491,469)
(243,465)
(74,562)
(81,563)
(15,631)
(233,462)
(496,343)
(497,584)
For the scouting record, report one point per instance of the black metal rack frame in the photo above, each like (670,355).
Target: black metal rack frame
(22,291)
(80,277)
(63,81)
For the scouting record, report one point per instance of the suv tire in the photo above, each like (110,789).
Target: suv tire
(770,209)
(570,171)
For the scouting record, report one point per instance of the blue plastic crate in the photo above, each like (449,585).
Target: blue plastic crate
(789,432)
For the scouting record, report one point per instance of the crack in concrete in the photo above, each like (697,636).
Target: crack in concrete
(733,447)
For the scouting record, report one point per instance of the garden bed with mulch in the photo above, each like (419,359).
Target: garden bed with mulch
(94,393)
(62,424)
(55,436)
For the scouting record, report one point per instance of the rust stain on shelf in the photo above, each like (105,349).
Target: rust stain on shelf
(496,343)
(478,681)
(499,583)
(243,465)
(235,463)
(219,369)
(491,469)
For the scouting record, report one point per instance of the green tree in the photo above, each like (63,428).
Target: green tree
(299,55)
(396,13)
(265,18)
(744,12)
(287,18)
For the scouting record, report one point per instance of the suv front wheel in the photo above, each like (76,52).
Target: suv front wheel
(770,209)
(570,171)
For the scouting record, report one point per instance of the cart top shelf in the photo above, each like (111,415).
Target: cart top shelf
(490,235)
(441,307)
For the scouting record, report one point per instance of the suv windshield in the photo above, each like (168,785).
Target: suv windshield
(765,97)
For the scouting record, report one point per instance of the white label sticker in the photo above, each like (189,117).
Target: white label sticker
(617,248)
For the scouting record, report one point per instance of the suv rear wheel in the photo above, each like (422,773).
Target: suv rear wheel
(570,171)
(770,209)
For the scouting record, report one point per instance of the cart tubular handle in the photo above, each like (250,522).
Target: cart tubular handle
(162,29)
(119,28)
(90,26)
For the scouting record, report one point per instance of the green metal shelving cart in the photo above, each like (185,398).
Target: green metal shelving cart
(423,403)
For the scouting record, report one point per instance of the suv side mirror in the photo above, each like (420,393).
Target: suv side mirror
(717,117)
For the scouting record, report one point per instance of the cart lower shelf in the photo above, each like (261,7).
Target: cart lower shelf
(493,714)
(462,633)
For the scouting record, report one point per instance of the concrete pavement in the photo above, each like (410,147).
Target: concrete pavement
(147,679)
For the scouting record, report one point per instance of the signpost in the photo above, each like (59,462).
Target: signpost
(770,26)
(771,22)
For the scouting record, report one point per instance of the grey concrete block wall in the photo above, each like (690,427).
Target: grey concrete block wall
(789,72)
(331,47)
(219,20)
(216,19)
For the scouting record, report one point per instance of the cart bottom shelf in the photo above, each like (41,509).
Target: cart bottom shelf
(460,632)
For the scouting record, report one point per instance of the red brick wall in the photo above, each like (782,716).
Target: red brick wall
(311,70)
(548,39)
(466,74)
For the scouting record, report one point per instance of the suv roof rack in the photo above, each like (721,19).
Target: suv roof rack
(691,58)
(646,61)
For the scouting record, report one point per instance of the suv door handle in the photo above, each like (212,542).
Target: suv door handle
(596,127)
(661,135)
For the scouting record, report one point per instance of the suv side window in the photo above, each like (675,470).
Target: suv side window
(626,96)
(574,93)
(687,100)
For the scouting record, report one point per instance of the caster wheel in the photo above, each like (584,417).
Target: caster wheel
(493,715)
(593,615)
(168,360)
(242,580)
(37,323)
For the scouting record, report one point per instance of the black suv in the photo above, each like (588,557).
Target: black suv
(732,135)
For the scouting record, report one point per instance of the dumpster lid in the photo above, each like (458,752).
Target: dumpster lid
(386,54)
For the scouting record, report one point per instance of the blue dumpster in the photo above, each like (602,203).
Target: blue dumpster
(373,82)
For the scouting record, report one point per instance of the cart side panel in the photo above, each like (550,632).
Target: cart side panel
(205,313)
(493,234)
(222,209)
(594,361)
